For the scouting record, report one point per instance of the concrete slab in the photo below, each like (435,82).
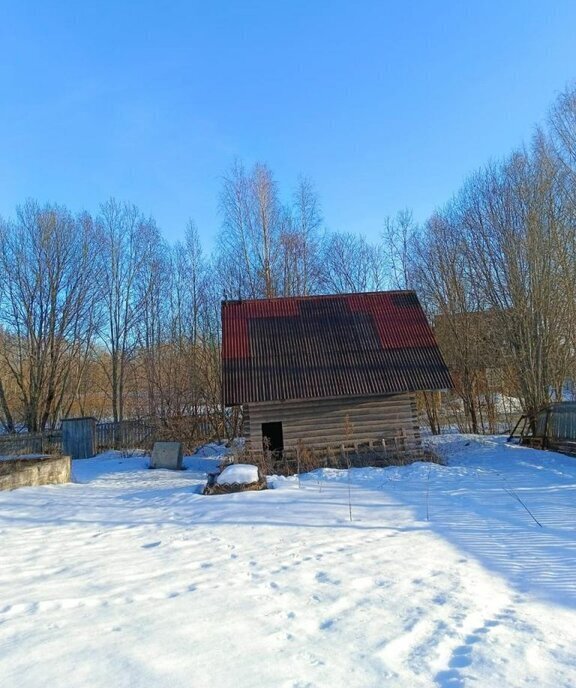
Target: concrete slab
(167,455)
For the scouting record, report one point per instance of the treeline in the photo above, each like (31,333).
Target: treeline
(497,269)
(99,315)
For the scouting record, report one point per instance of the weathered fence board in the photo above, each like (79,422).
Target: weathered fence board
(130,434)
(49,442)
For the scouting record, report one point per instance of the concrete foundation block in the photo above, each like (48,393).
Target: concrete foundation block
(167,455)
(30,471)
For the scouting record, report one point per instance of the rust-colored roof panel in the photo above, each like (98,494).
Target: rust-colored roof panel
(328,346)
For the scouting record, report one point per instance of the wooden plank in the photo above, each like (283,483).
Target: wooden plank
(399,406)
(331,408)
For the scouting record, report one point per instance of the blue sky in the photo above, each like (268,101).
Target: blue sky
(385,105)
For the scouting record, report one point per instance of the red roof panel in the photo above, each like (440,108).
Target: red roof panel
(328,346)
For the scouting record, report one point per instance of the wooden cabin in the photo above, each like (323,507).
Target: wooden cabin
(327,371)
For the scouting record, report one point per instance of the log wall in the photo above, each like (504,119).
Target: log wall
(331,422)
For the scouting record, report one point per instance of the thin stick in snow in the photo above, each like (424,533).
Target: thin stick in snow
(298,467)
(349,494)
(428,492)
(511,492)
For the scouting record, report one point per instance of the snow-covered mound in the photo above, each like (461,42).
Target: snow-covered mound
(242,473)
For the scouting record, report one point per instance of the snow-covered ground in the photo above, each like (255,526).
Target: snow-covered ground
(132,578)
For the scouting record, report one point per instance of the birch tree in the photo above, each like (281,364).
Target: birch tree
(251,224)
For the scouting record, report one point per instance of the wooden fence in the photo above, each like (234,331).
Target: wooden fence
(396,451)
(49,442)
(130,434)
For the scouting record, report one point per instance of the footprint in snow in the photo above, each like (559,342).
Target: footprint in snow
(506,614)
(323,577)
(461,657)
(449,679)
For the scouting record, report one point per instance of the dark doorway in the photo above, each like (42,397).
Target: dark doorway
(272,437)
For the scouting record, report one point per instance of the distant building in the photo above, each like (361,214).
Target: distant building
(485,388)
(329,370)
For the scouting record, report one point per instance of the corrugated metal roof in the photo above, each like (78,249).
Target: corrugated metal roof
(311,347)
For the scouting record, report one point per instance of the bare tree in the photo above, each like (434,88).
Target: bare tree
(46,306)
(300,242)
(8,402)
(249,240)
(513,237)
(127,242)
(441,274)
(351,264)
(398,238)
